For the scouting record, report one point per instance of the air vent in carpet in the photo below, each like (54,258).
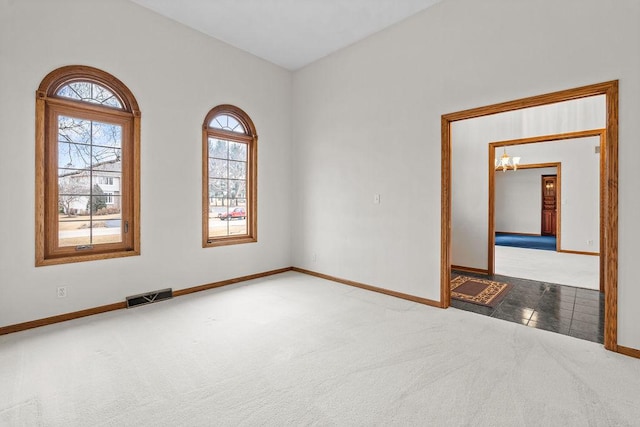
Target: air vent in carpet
(149,297)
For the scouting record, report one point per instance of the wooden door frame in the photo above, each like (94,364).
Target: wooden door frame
(492,199)
(608,191)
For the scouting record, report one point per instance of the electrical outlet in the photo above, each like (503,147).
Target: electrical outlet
(314,257)
(376,199)
(62,292)
(590,242)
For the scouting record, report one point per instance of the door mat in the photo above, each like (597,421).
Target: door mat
(479,291)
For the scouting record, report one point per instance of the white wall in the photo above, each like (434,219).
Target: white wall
(367,120)
(470,159)
(177,76)
(580,191)
(518,200)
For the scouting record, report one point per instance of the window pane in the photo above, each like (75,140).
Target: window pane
(74,156)
(106,219)
(233,124)
(237,170)
(228,220)
(108,182)
(113,202)
(74,231)
(97,203)
(84,229)
(90,92)
(226,122)
(72,182)
(238,189)
(71,129)
(218,188)
(218,227)
(238,221)
(218,168)
(103,156)
(218,148)
(84,142)
(108,233)
(237,151)
(106,135)
(110,169)
(106,146)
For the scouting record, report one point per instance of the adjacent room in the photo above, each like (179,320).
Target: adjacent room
(535,216)
(256,213)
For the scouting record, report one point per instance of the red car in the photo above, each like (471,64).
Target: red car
(235,213)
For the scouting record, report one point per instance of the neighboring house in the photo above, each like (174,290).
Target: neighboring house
(75,189)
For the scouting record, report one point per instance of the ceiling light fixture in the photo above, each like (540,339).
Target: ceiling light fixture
(506,162)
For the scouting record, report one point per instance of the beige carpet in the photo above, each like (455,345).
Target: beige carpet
(296,350)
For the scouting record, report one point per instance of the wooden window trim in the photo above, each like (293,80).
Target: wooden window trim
(251,139)
(48,104)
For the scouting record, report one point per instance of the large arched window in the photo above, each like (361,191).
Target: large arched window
(87,167)
(229,197)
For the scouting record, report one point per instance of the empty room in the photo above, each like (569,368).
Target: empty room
(289,213)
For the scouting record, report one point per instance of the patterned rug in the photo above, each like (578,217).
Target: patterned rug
(479,291)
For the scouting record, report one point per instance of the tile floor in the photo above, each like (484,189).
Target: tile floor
(558,308)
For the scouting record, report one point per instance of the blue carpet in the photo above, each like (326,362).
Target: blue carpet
(547,243)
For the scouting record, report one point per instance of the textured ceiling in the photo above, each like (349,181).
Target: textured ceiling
(289,33)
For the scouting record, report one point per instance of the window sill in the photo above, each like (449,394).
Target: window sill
(41,261)
(226,241)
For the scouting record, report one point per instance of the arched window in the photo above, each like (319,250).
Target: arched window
(229,198)
(87,174)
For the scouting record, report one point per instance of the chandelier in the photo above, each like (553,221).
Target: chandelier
(506,162)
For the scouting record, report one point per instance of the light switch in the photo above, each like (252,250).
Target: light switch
(376,199)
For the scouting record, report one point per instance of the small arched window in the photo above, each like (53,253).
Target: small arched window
(229,195)
(87,176)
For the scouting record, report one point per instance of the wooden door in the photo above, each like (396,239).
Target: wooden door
(549,205)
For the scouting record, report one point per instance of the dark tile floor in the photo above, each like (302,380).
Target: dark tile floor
(563,309)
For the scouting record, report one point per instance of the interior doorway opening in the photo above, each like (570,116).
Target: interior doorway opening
(543,196)
(608,191)
(549,202)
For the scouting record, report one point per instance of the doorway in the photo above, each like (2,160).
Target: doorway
(608,190)
(576,155)
(549,205)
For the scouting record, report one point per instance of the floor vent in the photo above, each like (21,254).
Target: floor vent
(149,297)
